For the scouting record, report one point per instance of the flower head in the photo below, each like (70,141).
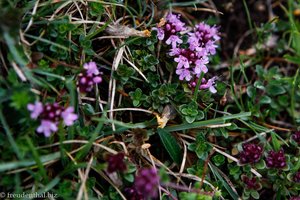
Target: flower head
(251,183)
(89,77)
(251,153)
(50,115)
(146,182)
(171,26)
(36,109)
(206,33)
(276,159)
(116,163)
(191,60)
(68,116)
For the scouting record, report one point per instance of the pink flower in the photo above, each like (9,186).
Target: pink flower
(182,61)
(201,66)
(174,40)
(172,26)
(146,182)
(160,33)
(97,79)
(36,109)
(91,68)
(68,116)
(207,32)
(173,20)
(184,74)
(174,52)
(193,42)
(209,84)
(47,127)
(251,153)
(90,76)
(116,163)
(276,159)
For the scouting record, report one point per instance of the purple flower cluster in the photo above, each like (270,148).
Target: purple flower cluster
(116,163)
(90,76)
(251,153)
(169,29)
(276,159)
(192,58)
(50,115)
(296,137)
(146,182)
(251,183)
(296,177)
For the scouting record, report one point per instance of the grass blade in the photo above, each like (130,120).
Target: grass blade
(231,192)
(27,163)
(216,121)
(170,145)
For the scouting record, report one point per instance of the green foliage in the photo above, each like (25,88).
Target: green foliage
(137,97)
(201,147)
(190,112)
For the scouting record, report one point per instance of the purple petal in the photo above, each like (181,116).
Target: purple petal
(36,109)
(68,116)
(47,128)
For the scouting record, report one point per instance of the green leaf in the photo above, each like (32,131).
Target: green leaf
(200,115)
(260,70)
(218,160)
(170,145)
(258,84)
(274,90)
(88,109)
(261,164)
(293,59)
(136,103)
(129,177)
(265,100)
(190,119)
(275,142)
(251,91)
(283,100)
(254,194)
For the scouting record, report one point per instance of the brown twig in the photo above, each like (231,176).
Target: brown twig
(205,167)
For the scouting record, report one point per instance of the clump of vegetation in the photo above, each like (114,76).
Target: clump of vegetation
(149,99)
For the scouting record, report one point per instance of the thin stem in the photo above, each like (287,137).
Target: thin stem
(197,86)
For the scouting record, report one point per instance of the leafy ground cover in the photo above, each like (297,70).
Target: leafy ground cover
(149,99)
